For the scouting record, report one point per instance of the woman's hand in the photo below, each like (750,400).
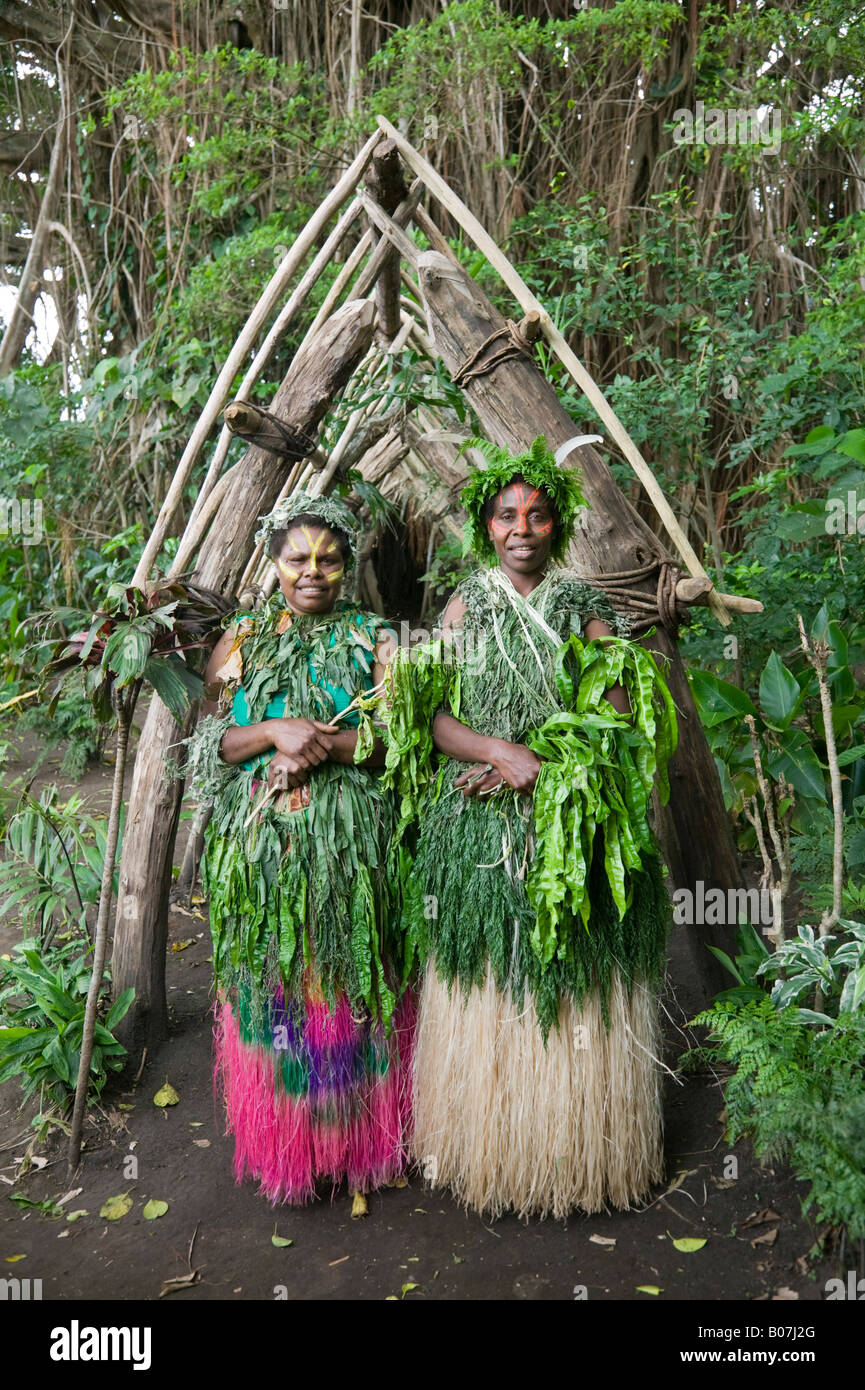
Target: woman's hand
(283,773)
(303,743)
(480,780)
(516,764)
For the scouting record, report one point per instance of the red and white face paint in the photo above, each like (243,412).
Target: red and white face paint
(520,508)
(522,530)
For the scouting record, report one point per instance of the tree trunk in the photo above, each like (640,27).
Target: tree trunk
(314,379)
(30,284)
(515,404)
(188,876)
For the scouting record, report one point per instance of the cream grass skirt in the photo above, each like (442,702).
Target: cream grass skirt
(506,1122)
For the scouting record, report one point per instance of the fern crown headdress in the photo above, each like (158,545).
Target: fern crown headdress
(331,510)
(539,468)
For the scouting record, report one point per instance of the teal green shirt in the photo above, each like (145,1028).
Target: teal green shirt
(275,708)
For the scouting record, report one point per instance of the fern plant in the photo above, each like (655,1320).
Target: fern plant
(799,1092)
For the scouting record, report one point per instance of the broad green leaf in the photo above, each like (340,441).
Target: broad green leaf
(173,682)
(804,521)
(779,692)
(798,762)
(154,1209)
(648,1288)
(126,653)
(718,700)
(851,755)
(119,1008)
(76,1215)
(280,1240)
(853,445)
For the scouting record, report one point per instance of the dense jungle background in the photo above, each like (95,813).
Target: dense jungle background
(158,158)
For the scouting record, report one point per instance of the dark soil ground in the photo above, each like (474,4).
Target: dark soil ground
(415,1243)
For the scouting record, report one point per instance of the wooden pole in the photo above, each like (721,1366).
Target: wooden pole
(259,362)
(528,301)
(385,181)
(218,396)
(514,404)
(313,381)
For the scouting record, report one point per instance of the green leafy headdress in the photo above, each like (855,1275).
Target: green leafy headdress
(331,510)
(539,468)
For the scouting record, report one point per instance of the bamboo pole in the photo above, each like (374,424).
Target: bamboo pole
(198,524)
(379,256)
(265,352)
(334,200)
(568,358)
(390,229)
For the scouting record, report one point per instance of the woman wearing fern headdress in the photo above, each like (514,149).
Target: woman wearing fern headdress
(535,891)
(313,1036)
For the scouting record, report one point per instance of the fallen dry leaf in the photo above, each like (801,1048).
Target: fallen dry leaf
(679,1179)
(760,1218)
(202,1143)
(166,1095)
(602,1240)
(116,1207)
(182,945)
(183,1281)
(767,1238)
(783,1294)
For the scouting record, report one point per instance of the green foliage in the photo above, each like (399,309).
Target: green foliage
(43,997)
(447,569)
(595,783)
(805,964)
(798,1092)
(789,724)
(51,869)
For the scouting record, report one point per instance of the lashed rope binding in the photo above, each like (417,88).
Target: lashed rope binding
(646,612)
(273,434)
(516,344)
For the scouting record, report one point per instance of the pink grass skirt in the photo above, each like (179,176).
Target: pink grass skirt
(351,1120)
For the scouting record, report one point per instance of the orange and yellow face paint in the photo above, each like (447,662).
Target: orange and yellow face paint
(525,498)
(315,540)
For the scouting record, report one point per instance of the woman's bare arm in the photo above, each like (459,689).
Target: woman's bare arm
(617,694)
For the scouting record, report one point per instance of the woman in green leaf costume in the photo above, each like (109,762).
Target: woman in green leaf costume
(534,889)
(313,1037)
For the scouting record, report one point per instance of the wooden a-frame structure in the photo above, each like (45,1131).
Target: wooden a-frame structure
(388,294)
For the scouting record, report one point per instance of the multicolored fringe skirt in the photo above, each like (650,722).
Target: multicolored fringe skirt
(509,1121)
(315,1093)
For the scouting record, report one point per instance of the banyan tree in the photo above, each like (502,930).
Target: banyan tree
(400,285)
